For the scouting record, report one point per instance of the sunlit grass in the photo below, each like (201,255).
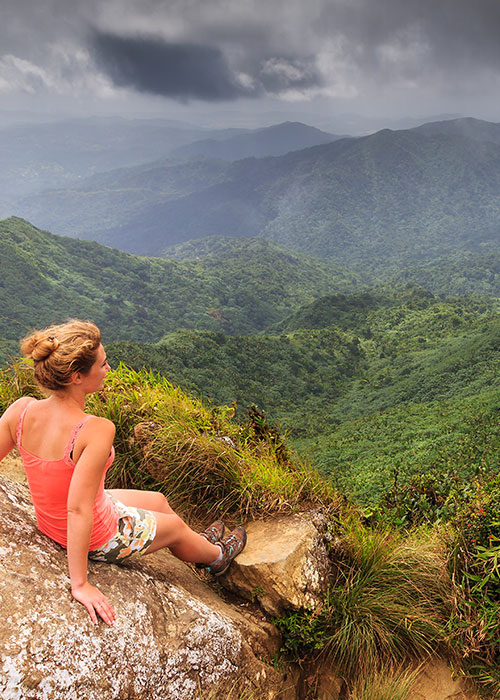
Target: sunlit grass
(390,602)
(203,461)
(386,683)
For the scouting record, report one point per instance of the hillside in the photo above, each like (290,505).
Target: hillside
(379,202)
(90,208)
(390,357)
(458,273)
(273,140)
(462,272)
(47,278)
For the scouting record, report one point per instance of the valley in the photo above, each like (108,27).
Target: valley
(349,290)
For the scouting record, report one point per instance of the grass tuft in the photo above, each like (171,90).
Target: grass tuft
(389,602)
(387,683)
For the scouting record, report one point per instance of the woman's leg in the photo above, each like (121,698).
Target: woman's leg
(148,500)
(184,543)
(171,530)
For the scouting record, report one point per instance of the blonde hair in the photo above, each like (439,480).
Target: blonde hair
(59,351)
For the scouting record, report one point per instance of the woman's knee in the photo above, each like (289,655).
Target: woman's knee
(159,503)
(171,530)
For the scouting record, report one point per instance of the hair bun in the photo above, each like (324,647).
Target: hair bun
(39,346)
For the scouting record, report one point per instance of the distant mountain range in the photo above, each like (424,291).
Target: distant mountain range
(386,200)
(270,141)
(466,127)
(37,157)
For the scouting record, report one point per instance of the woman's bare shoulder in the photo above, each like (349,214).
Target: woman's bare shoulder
(18,406)
(102,425)
(10,418)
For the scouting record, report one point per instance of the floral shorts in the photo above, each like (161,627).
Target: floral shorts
(136,531)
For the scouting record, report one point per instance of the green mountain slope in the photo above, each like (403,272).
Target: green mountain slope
(458,273)
(453,440)
(393,359)
(296,378)
(45,278)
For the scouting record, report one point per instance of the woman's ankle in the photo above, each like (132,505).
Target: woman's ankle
(219,558)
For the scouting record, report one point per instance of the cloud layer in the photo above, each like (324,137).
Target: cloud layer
(214,50)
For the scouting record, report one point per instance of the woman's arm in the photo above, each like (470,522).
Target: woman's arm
(8,425)
(81,497)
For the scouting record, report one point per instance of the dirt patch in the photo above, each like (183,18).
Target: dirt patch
(437,683)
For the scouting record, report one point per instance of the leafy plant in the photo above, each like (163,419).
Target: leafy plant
(475,554)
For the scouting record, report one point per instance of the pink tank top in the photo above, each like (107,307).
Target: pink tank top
(49,481)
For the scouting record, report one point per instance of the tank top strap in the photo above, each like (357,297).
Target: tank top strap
(72,438)
(20,423)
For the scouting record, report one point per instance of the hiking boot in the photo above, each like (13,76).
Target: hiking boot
(232,545)
(214,532)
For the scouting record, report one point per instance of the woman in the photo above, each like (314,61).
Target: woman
(66,453)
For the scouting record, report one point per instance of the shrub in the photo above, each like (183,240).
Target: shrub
(389,601)
(475,557)
(424,499)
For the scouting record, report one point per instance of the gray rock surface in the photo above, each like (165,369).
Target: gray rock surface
(173,634)
(174,637)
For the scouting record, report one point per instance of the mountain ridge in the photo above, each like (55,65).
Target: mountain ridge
(391,198)
(274,140)
(46,278)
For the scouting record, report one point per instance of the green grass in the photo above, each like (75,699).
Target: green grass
(207,464)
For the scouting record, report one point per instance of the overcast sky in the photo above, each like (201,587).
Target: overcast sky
(252,62)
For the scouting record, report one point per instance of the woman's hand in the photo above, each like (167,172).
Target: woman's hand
(95,602)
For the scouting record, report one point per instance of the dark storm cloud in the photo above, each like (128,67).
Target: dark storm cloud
(334,47)
(190,70)
(182,70)
(214,50)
